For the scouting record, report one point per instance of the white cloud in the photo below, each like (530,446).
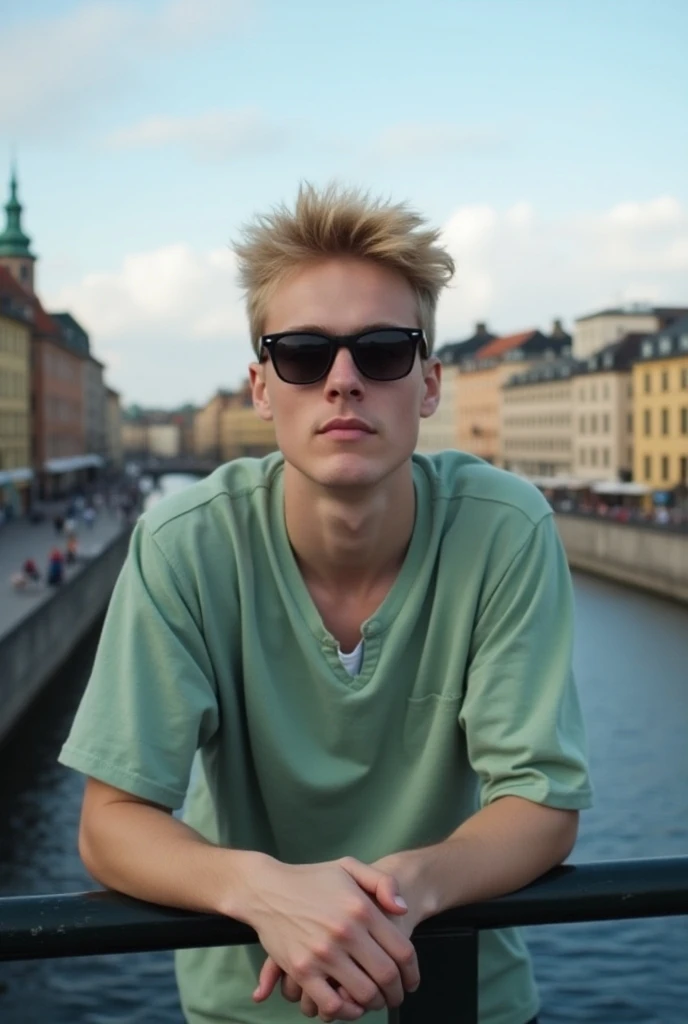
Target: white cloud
(55,69)
(215,135)
(517,269)
(170,322)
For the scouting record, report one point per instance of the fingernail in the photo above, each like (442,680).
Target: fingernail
(401,902)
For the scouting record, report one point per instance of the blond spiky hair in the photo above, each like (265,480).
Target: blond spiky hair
(341,221)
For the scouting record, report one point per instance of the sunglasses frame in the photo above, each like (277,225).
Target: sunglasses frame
(349,341)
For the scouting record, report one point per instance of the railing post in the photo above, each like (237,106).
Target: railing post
(449,981)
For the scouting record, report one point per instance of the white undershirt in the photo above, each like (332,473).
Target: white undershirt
(353,660)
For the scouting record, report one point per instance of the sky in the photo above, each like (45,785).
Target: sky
(548,139)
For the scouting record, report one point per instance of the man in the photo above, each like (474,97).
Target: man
(370,649)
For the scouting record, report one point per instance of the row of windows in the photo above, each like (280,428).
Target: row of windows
(523,393)
(563,420)
(61,367)
(13,341)
(13,424)
(666,379)
(591,390)
(665,421)
(678,473)
(63,444)
(63,410)
(584,423)
(13,456)
(541,443)
(589,457)
(13,385)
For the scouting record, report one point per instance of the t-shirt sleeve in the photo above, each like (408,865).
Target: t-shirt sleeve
(151,700)
(521,712)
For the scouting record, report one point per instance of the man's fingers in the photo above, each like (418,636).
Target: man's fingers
(291,990)
(376,883)
(269,976)
(387,937)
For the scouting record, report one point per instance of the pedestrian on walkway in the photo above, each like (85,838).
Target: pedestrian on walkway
(55,568)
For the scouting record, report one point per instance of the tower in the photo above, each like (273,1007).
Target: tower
(15,253)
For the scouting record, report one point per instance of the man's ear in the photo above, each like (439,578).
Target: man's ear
(259,390)
(432,384)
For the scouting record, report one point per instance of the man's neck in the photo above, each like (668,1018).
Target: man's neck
(349,543)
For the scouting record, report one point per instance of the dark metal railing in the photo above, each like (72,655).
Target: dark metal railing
(83,924)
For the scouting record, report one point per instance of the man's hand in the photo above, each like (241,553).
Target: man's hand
(386,895)
(324,929)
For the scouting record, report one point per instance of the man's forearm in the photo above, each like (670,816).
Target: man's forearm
(499,849)
(146,853)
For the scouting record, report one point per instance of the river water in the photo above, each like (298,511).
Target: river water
(631,662)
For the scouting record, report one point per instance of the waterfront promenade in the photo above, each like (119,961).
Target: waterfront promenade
(20,540)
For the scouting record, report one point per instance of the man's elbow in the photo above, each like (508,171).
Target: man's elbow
(567,833)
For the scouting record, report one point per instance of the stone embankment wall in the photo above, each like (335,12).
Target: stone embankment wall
(33,651)
(653,558)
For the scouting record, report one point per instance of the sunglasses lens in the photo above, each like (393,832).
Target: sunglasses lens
(385,354)
(301,358)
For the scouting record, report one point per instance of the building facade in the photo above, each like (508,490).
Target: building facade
(603,413)
(481,380)
(16,470)
(660,388)
(595,331)
(115,448)
(441,431)
(207,432)
(537,418)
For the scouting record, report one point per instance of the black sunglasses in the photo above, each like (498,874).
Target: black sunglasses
(381,353)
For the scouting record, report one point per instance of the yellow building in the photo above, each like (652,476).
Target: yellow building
(660,389)
(242,431)
(207,443)
(15,408)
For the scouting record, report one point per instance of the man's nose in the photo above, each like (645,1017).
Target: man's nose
(344,376)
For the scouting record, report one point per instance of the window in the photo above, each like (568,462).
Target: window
(647,422)
(665,422)
(684,377)
(593,424)
(647,466)
(648,383)
(684,420)
(593,456)
(665,344)
(683,469)
(605,456)
(629,423)
(665,467)
(665,380)
(582,424)
(581,456)
(593,392)
(647,349)
(605,387)
(605,423)
(683,342)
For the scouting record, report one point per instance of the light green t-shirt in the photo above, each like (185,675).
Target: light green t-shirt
(465,694)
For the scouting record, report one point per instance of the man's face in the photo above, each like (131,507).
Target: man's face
(341,296)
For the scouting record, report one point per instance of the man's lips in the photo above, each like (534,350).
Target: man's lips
(342,427)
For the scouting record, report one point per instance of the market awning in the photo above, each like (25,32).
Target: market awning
(71,463)
(616,487)
(15,476)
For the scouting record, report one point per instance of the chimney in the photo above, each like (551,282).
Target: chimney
(557,330)
(480,329)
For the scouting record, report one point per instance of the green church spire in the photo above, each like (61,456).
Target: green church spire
(13,241)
